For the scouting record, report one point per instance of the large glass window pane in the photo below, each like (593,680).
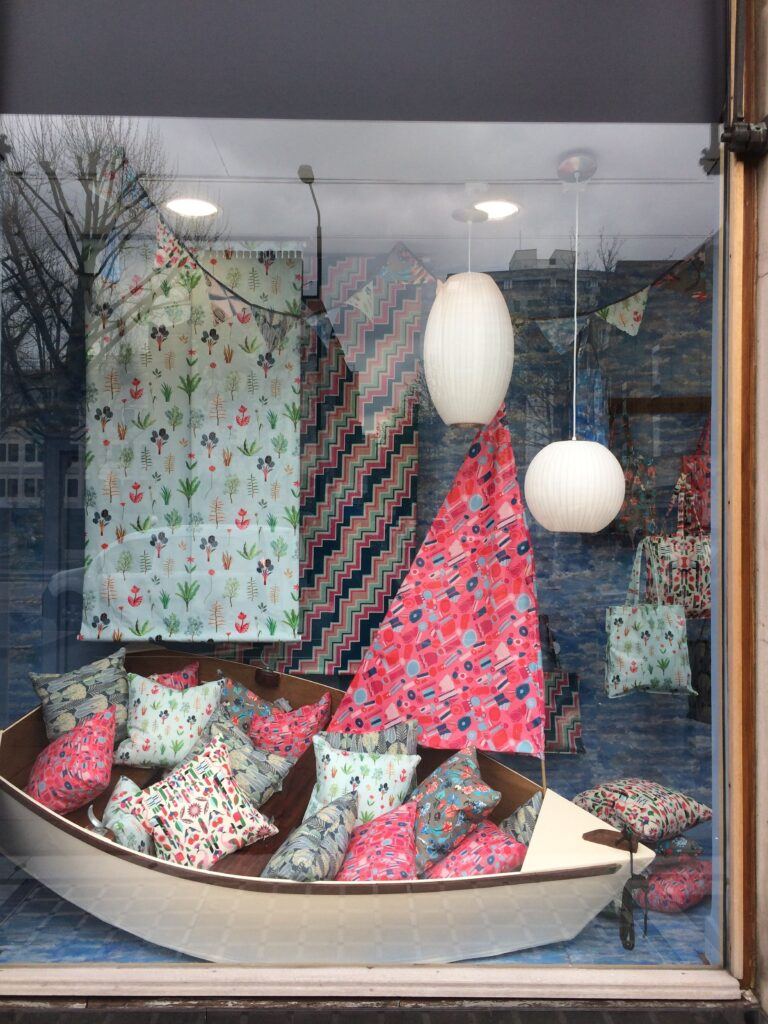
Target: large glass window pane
(232,453)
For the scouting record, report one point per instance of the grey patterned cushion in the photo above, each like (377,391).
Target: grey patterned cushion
(259,774)
(396,739)
(315,850)
(73,697)
(522,822)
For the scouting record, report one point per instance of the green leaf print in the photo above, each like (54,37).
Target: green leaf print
(249,448)
(140,628)
(187,591)
(189,384)
(188,487)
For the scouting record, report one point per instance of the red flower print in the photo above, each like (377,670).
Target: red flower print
(136,494)
(241,623)
(241,519)
(136,390)
(134,597)
(244,316)
(242,417)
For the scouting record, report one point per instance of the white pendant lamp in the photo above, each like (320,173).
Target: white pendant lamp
(575,486)
(469,344)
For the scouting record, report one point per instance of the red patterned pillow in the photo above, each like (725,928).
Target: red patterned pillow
(649,809)
(75,768)
(383,849)
(486,851)
(290,732)
(181,679)
(680,884)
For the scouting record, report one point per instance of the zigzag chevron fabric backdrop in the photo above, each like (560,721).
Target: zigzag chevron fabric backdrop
(359,444)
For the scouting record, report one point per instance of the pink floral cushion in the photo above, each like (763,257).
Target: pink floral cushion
(383,849)
(181,679)
(649,809)
(680,884)
(197,814)
(75,768)
(290,732)
(486,851)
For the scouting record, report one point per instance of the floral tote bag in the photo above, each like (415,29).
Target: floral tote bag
(698,469)
(647,644)
(679,565)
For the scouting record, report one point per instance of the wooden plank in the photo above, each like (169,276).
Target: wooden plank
(739,545)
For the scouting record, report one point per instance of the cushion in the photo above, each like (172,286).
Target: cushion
(380,781)
(290,732)
(383,849)
(315,850)
(679,846)
(679,884)
(127,828)
(649,809)
(164,724)
(521,823)
(451,802)
(181,679)
(396,739)
(258,773)
(76,767)
(71,698)
(562,713)
(197,815)
(486,851)
(242,704)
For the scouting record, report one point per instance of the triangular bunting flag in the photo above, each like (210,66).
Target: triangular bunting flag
(626,314)
(559,333)
(459,649)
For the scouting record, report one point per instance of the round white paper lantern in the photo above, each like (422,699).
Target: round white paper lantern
(574,487)
(469,349)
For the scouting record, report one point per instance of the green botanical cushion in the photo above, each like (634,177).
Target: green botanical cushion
(163,724)
(315,850)
(258,773)
(396,739)
(451,801)
(522,822)
(381,782)
(125,825)
(71,698)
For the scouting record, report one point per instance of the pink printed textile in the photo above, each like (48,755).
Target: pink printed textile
(382,850)
(486,851)
(459,649)
(77,767)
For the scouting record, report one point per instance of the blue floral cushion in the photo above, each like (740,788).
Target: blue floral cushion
(451,801)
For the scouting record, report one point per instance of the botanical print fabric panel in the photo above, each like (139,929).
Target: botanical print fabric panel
(192,461)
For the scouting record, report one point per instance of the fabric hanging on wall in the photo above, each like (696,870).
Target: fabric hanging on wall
(459,649)
(192,461)
(359,461)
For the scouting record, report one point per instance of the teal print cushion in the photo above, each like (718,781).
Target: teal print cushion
(315,850)
(164,725)
(71,698)
(242,704)
(395,739)
(451,803)
(521,823)
(381,782)
(259,774)
(121,821)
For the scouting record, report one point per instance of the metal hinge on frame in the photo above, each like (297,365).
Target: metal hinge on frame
(747,140)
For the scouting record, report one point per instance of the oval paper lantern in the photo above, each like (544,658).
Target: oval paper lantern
(574,487)
(469,349)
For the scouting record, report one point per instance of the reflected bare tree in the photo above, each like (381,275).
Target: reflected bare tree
(68,207)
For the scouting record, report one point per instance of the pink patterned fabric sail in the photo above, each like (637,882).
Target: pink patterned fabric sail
(459,649)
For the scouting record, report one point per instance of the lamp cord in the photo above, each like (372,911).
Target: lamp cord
(469,246)
(575,303)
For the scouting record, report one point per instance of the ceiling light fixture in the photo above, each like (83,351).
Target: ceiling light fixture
(497,209)
(188,207)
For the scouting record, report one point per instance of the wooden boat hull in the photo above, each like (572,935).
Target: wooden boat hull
(226,916)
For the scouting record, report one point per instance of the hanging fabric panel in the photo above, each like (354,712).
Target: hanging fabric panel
(192,462)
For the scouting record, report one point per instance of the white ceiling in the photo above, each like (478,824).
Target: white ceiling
(382,182)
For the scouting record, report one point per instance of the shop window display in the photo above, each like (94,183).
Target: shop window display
(334,647)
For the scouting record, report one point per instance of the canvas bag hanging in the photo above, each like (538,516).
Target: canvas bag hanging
(679,566)
(647,645)
(638,513)
(698,470)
